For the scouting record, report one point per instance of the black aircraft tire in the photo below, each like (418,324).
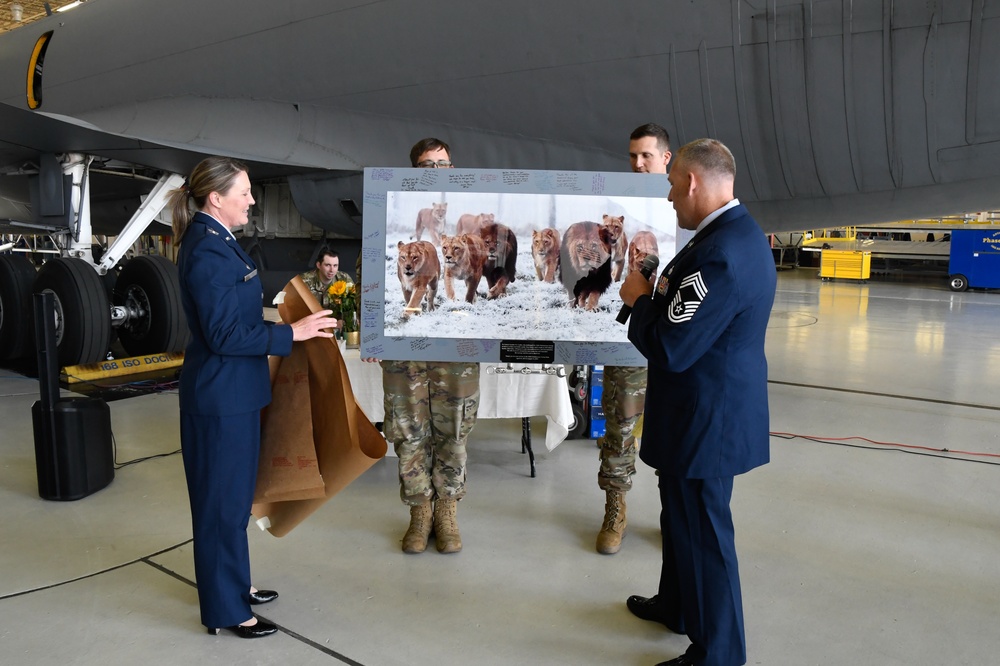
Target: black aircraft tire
(579,426)
(83,314)
(148,284)
(17,322)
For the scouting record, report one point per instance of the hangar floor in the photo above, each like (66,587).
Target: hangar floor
(851,552)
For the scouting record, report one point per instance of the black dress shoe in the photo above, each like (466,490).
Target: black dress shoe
(683,660)
(262,597)
(648,608)
(253,631)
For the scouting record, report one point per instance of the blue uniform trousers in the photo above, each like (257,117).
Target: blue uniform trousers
(220,463)
(700,578)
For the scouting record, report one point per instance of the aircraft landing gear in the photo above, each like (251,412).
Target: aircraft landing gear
(83,321)
(148,309)
(16,331)
(147,315)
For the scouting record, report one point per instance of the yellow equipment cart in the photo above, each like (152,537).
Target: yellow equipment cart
(850,264)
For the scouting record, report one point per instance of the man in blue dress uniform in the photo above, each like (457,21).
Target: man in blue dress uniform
(701,329)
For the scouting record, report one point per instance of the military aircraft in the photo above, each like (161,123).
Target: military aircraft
(838,112)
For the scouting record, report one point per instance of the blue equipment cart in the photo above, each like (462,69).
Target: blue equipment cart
(975,259)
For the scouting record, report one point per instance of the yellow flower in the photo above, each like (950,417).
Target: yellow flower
(344,302)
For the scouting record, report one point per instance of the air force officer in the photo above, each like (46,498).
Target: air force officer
(224,384)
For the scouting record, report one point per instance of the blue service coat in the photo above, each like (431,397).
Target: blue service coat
(702,331)
(225,365)
(224,384)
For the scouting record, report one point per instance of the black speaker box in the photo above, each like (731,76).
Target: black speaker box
(80,460)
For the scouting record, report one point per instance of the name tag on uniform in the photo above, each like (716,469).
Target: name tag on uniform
(251,275)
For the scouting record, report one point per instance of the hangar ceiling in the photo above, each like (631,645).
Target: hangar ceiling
(31,10)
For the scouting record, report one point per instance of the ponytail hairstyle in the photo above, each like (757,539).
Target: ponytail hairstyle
(213,174)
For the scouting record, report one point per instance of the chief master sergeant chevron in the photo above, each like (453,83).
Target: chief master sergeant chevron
(702,333)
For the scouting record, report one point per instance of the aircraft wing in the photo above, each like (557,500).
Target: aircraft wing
(24,134)
(127,169)
(837,113)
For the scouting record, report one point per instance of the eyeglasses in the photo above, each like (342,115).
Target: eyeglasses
(431,164)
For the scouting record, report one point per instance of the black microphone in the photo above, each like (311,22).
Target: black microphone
(649,265)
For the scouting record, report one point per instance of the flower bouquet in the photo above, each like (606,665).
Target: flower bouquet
(344,303)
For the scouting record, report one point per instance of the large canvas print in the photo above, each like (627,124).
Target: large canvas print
(456,261)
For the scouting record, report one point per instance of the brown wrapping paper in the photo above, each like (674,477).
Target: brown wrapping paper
(289,466)
(346,442)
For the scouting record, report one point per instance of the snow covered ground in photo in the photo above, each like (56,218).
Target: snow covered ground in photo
(532,310)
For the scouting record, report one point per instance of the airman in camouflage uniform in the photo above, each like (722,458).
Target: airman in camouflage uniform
(430,409)
(623,399)
(326,273)
(625,387)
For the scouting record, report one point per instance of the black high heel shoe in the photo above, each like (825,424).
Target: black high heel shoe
(258,630)
(262,597)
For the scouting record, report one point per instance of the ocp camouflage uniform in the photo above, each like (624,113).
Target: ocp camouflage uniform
(622,400)
(318,289)
(430,409)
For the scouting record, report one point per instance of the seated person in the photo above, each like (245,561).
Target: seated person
(326,273)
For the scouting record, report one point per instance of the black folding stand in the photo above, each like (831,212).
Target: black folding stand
(526,443)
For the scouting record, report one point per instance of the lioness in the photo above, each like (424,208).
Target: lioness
(471,224)
(464,258)
(545,252)
(418,269)
(643,244)
(619,244)
(585,263)
(501,260)
(432,221)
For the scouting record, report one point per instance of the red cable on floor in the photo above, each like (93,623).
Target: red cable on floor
(791,435)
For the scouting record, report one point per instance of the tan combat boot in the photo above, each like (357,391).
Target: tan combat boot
(445,527)
(609,539)
(421,523)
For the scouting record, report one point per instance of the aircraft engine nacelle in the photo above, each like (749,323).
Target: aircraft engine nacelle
(332,201)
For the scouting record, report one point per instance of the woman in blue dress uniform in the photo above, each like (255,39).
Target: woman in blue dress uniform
(224,384)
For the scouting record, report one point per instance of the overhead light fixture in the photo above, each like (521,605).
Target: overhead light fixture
(72,5)
(16,12)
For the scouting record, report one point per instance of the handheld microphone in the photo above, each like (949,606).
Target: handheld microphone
(649,265)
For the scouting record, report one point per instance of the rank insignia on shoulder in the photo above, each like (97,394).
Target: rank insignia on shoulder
(212,231)
(689,296)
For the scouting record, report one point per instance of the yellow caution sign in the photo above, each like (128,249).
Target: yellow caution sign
(121,366)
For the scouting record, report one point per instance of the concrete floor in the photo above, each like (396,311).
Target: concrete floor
(849,555)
